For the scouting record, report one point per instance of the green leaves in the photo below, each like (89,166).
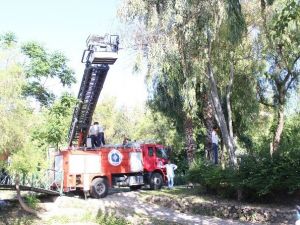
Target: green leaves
(168,95)
(7,40)
(41,66)
(236,25)
(258,176)
(53,131)
(59,69)
(282,23)
(25,133)
(13,110)
(35,89)
(34,51)
(137,123)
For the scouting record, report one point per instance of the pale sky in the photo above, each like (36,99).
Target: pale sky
(64,25)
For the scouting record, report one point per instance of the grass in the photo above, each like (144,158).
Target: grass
(32,201)
(196,194)
(102,219)
(13,215)
(24,220)
(110,220)
(177,192)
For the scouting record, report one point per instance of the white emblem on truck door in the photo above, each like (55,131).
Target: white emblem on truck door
(115,157)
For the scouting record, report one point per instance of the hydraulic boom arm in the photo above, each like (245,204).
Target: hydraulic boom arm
(101,51)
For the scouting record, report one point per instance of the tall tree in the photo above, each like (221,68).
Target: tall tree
(159,43)
(195,26)
(281,49)
(16,117)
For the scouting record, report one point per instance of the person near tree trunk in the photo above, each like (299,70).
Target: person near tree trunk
(215,143)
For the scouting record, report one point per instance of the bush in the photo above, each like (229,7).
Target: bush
(269,176)
(180,179)
(110,220)
(213,178)
(258,176)
(32,201)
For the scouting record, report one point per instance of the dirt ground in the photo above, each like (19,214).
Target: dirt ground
(120,204)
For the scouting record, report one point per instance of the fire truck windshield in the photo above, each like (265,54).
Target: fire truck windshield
(162,153)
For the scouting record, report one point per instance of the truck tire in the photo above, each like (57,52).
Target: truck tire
(156,181)
(99,188)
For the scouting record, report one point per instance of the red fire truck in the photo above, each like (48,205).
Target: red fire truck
(95,170)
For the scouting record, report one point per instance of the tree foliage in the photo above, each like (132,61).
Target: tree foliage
(137,124)
(234,59)
(26,132)
(41,66)
(15,116)
(7,40)
(56,122)
(167,89)
(281,51)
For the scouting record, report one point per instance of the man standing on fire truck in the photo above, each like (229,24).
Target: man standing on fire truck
(100,136)
(97,135)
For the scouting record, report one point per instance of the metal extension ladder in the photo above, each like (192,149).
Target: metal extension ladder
(101,51)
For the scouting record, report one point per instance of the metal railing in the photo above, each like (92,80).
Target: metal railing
(48,180)
(5,179)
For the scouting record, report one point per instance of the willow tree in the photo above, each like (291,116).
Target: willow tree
(168,99)
(160,39)
(188,29)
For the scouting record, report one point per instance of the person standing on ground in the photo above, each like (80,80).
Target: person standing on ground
(170,173)
(215,142)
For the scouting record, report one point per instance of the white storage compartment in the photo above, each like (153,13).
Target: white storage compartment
(103,57)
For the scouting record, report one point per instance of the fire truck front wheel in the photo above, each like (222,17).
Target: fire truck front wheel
(99,188)
(156,181)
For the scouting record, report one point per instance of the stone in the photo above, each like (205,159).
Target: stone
(273,214)
(235,215)
(259,217)
(243,218)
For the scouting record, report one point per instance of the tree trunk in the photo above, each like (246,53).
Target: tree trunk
(208,120)
(228,95)
(221,118)
(189,140)
(218,108)
(279,129)
(22,203)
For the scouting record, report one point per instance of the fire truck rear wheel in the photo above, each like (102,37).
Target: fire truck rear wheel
(156,181)
(99,188)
